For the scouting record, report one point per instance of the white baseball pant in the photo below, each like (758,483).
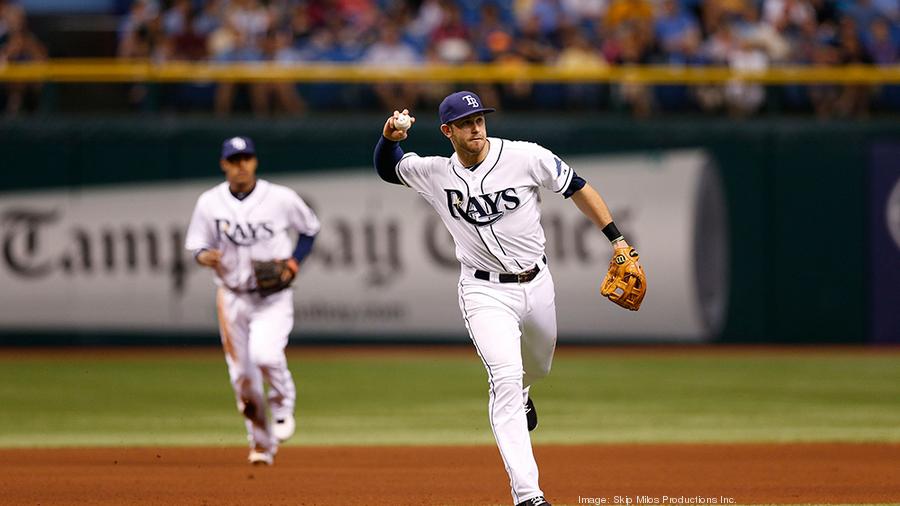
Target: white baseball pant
(513,327)
(254,332)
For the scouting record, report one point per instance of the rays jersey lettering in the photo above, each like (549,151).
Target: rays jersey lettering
(482,210)
(493,211)
(244,234)
(260,227)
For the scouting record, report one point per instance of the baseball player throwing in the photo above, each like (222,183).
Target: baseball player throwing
(487,194)
(242,229)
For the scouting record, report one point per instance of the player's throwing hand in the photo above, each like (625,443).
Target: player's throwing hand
(393,131)
(209,258)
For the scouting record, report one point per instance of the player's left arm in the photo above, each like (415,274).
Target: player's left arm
(592,205)
(625,283)
(553,173)
(307,225)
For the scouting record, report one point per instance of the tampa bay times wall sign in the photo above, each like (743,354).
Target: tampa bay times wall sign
(112,258)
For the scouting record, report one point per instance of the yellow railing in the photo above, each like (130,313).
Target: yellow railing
(113,71)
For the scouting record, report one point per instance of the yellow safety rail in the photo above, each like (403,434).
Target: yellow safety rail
(118,71)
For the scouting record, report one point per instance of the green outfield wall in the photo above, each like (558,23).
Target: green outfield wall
(796,188)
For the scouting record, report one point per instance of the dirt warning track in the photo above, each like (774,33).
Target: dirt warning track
(417,475)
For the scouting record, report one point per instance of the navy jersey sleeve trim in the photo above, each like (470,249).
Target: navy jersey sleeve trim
(304,246)
(576,184)
(569,179)
(387,154)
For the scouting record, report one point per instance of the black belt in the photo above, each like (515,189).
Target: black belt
(506,277)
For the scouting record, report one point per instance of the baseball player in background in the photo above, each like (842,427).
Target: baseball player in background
(487,195)
(243,229)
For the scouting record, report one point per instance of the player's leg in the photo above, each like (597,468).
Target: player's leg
(492,319)
(246,379)
(538,336)
(270,328)
(539,328)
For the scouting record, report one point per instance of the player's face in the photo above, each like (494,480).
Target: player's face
(468,134)
(240,170)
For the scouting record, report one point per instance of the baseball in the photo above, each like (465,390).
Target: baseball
(402,122)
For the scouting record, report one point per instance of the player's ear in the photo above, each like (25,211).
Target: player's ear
(445,129)
(223,164)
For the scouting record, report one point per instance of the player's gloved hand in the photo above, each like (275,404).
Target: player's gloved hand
(396,134)
(272,276)
(625,283)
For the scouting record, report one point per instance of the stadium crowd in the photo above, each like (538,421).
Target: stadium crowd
(742,34)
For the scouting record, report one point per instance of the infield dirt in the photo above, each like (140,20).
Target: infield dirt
(821,473)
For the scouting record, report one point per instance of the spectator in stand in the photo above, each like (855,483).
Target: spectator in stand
(492,35)
(862,12)
(4,25)
(299,23)
(430,16)
(209,19)
(637,15)
(175,18)
(281,97)
(240,39)
(391,51)
(187,44)
(675,29)
(533,44)
(744,99)
(451,38)
(142,38)
(881,44)
(141,13)
(788,16)
(493,38)
(889,9)
(551,17)
(578,53)
(715,12)
(717,50)
(825,97)
(629,47)
(588,14)
(251,21)
(18,44)
(855,98)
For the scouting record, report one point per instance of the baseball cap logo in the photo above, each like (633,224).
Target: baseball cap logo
(238,143)
(472,101)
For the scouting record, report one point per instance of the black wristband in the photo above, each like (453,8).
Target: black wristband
(612,233)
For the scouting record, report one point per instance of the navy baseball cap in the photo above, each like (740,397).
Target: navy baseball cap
(459,105)
(237,146)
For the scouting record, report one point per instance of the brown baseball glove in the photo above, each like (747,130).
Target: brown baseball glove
(625,283)
(273,276)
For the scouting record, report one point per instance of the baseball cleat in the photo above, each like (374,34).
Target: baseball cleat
(535,501)
(283,428)
(530,415)
(260,458)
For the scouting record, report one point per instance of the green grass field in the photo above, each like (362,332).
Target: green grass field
(415,398)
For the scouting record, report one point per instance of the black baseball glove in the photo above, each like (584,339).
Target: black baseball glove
(273,276)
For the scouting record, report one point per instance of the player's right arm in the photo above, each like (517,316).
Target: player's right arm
(407,169)
(209,258)
(388,152)
(200,238)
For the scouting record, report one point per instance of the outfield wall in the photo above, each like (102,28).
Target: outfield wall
(796,191)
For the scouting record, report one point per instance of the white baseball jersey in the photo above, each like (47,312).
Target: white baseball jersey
(254,329)
(256,228)
(493,211)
